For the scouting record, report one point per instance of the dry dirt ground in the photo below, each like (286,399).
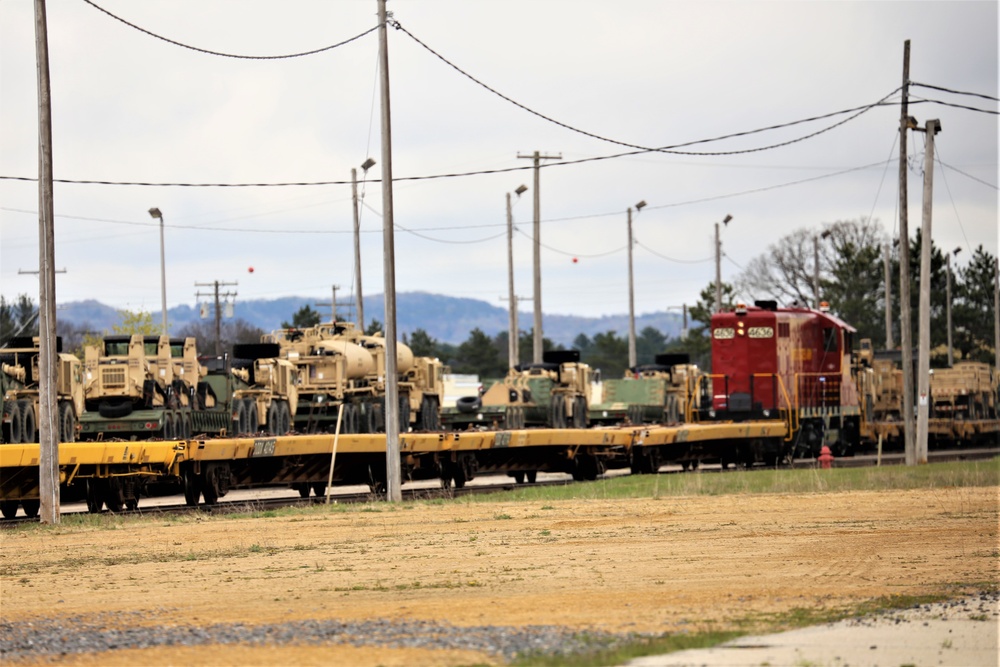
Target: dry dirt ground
(652,565)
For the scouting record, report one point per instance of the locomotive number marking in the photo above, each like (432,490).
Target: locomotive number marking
(724,333)
(761,332)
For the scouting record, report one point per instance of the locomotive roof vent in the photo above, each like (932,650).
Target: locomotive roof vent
(766,305)
(741,309)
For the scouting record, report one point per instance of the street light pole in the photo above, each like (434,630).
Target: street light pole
(365,166)
(632,356)
(718,264)
(156,215)
(947,298)
(924,352)
(512,334)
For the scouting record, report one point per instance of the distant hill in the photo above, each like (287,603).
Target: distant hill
(445,318)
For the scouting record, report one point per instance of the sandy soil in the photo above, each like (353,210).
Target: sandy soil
(618,565)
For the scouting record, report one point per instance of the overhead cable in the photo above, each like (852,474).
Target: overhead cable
(951,104)
(956,92)
(663,149)
(229,55)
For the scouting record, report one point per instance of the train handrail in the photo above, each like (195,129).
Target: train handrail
(791,411)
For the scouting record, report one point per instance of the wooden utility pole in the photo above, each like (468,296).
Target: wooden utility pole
(48,431)
(359,301)
(996,314)
(218,310)
(632,355)
(393,467)
(924,358)
(905,320)
(947,306)
(537,255)
(332,305)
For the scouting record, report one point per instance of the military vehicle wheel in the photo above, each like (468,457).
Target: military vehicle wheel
(557,412)
(8,508)
(252,422)
(168,426)
(30,507)
(273,425)
(580,412)
(186,429)
(67,422)
(28,432)
(14,428)
(110,410)
(468,404)
(284,418)
(239,418)
(404,413)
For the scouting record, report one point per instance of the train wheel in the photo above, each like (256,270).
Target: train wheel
(319,488)
(28,432)
(303,488)
(192,487)
(519,477)
(8,508)
(114,496)
(31,507)
(531,476)
(95,495)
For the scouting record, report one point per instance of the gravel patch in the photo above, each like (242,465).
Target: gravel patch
(95,634)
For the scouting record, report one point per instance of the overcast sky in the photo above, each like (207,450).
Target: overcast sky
(128,107)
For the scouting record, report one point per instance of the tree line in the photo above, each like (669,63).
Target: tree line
(851,280)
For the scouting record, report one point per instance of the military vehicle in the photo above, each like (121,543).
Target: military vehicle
(19,378)
(657,393)
(265,393)
(140,387)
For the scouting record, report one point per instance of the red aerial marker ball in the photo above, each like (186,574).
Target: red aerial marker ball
(250,270)
(575,260)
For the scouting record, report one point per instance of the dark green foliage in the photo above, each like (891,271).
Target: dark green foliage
(303,318)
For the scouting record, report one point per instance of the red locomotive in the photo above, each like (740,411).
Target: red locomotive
(787,363)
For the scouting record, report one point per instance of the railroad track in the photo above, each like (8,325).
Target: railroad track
(251,505)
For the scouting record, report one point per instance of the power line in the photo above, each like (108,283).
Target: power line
(672,259)
(664,149)
(481,226)
(229,55)
(956,92)
(978,180)
(951,104)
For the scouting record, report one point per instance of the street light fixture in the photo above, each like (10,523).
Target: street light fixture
(156,215)
(632,356)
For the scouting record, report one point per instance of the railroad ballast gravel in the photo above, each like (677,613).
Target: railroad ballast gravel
(79,634)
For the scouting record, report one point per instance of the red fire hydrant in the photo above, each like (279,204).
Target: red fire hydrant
(825,458)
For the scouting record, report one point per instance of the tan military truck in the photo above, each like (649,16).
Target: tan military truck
(19,381)
(265,392)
